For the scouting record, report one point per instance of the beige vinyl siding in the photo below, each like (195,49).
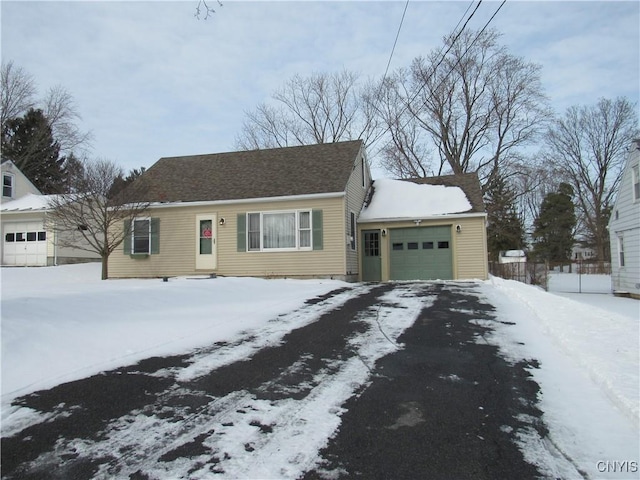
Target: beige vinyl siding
(469,246)
(355,195)
(178,244)
(470,259)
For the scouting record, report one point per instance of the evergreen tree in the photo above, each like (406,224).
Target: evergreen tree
(504,227)
(554,227)
(28,142)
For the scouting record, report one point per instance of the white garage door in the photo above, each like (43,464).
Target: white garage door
(25,243)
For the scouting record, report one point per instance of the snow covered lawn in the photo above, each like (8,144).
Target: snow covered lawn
(63,323)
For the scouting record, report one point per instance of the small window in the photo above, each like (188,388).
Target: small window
(7,185)
(412,246)
(254,231)
(20,237)
(304,229)
(31,236)
(372,244)
(443,244)
(427,245)
(398,246)
(42,236)
(141,236)
(206,237)
(353,231)
(621,251)
(635,178)
(10,237)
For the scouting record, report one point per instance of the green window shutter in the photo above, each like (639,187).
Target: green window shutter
(126,228)
(242,232)
(155,236)
(316,216)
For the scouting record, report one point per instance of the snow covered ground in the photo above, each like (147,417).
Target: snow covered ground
(63,323)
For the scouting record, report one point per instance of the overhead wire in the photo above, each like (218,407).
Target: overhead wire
(455,39)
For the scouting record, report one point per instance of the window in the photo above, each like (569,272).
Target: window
(7,185)
(206,237)
(635,178)
(371,244)
(443,244)
(42,236)
(412,246)
(620,251)
(427,245)
(10,237)
(398,246)
(279,230)
(353,231)
(141,236)
(304,230)
(20,237)
(31,236)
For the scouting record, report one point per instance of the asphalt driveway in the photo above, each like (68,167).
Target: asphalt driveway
(443,404)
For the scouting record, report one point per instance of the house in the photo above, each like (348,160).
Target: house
(624,228)
(299,212)
(283,212)
(28,238)
(512,256)
(424,229)
(14,183)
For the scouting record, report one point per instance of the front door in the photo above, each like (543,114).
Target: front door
(206,242)
(371,265)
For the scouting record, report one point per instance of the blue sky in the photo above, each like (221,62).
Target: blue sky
(150,80)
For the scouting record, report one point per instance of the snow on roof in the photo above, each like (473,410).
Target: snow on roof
(398,199)
(514,253)
(30,202)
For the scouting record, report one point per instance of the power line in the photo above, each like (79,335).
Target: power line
(396,40)
(444,55)
(406,107)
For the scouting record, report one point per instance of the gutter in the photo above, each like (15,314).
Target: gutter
(311,196)
(443,216)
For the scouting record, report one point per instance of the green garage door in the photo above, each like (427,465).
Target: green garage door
(421,253)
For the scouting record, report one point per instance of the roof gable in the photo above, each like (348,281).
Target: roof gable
(278,172)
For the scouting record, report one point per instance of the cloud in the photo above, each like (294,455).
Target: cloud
(150,80)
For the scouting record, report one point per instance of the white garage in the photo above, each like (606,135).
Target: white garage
(24,243)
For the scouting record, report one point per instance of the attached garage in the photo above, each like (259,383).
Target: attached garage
(24,243)
(425,229)
(422,253)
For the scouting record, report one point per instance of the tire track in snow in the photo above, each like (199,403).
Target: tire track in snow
(238,410)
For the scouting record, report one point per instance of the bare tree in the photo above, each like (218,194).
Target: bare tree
(62,114)
(91,219)
(589,147)
(321,108)
(17,92)
(18,97)
(478,105)
(205,9)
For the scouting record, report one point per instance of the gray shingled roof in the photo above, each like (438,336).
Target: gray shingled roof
(300,170)
(468,182)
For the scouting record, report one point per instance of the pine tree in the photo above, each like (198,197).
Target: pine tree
(28,142)
(504,227)
(554,227)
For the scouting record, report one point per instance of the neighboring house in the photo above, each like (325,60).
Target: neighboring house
(512,256)
(14,183)
(424,229)
(284,212)
(624,228)
(28,239)
(580,252)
